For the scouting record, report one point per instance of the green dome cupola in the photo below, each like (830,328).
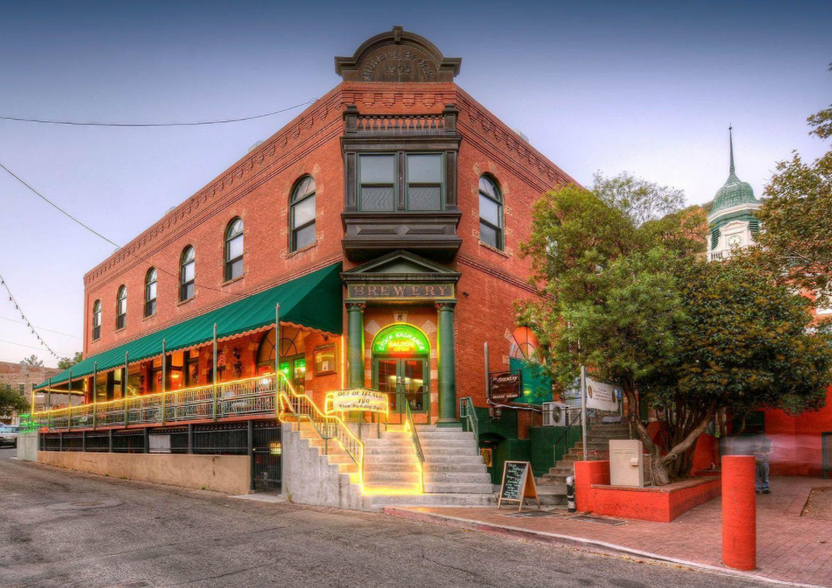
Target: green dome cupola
(735,192)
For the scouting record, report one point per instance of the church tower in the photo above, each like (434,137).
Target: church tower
(732,222)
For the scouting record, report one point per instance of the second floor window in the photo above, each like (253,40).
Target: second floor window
(424,182)
(377,183)
(121,308)
(491,213)
(187,274)
(150,292)
(382,187)
(96,320)
(302,214)
(234,249)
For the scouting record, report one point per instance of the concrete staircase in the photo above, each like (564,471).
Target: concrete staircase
(322,473)
(454,472)
(552,486)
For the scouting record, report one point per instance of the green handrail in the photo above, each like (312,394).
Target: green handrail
(468,415)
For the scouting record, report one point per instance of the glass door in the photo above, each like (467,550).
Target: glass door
(403,380)
(295,370)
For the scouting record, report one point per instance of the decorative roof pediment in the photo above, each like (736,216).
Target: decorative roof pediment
(397,56)
(400,266)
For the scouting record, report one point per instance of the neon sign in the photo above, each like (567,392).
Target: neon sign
(401,340)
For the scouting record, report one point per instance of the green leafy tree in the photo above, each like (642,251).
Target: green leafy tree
(32,361)
(67,362)
(11,401)
(634,301)
(797,217)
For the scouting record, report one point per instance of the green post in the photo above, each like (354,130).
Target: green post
(124,390)
(49,404)
(447,366)
(355,330)
(215,371)
(164,376)
(69,395)
(94,394)
(276,344)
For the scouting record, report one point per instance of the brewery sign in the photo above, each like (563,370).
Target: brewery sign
(505,386)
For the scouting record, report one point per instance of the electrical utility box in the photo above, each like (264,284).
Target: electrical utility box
(626,463)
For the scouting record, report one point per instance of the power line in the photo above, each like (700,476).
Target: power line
(23,316)
(96,233)
(3,318)
(147,125)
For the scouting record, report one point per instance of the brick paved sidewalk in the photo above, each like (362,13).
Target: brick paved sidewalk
(790,548)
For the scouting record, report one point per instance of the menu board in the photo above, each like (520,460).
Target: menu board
(517,484)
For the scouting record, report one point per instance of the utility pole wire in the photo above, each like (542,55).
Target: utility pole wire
(94,232)
(148,125)
(5,318)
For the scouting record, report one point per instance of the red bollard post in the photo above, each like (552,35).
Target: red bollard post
(739,512)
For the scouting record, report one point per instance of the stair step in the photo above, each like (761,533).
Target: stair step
(457,488)
(391,486)
(448,434)
(385,477)
(474,468)
(444,450)
(458,477)
(391,466)
(450,443)
(435,458)
(379,502)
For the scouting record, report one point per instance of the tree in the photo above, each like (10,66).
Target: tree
(67,362)
(797,216)
(636,303)
(32,361)
(11,401)
(639,199)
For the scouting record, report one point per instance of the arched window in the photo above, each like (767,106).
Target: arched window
(121,308)
(187,274)
(302,214)
(150,292)
(491,213)
(96,320)
(234,249)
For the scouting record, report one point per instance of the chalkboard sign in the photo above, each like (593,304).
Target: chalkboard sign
(517,484)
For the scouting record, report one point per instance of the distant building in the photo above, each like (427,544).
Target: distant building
(732,221)
(24,378)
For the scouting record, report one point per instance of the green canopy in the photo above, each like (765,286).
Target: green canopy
(312,301)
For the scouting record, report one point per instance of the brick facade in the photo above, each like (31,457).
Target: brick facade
(257,189)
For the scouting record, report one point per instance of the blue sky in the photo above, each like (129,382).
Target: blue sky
(645,87)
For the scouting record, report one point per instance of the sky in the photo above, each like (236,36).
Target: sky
(648,87)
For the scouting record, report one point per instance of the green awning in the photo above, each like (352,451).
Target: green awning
(313,301)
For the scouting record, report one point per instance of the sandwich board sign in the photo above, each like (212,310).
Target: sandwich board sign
(517,484)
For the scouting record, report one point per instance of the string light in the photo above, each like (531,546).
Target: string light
(25,320)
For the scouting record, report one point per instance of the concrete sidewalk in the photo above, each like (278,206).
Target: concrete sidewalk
(790,547)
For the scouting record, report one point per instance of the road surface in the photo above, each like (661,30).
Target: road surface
(61,528)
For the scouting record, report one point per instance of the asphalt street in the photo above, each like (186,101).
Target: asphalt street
(61,528)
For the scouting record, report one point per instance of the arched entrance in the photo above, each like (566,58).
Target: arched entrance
(292,355)
(401,367)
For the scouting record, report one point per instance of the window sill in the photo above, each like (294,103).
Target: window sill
(232,280)
(329,373)
(120,330)
(148,317)
(494,249)
(302,250)
(183,302)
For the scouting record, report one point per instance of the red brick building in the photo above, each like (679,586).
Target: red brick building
(397,180)
(398,113)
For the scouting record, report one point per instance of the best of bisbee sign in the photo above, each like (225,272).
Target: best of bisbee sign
(357,399)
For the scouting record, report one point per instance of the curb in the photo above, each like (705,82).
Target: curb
(600,547)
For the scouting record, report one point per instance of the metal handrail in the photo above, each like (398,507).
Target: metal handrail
(410,427)
(589,413)
(246,397)
(327,426)
(469,414)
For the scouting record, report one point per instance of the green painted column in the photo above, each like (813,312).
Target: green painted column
(447,366)
(355,353)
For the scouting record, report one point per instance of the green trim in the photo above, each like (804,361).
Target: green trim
(313,301)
